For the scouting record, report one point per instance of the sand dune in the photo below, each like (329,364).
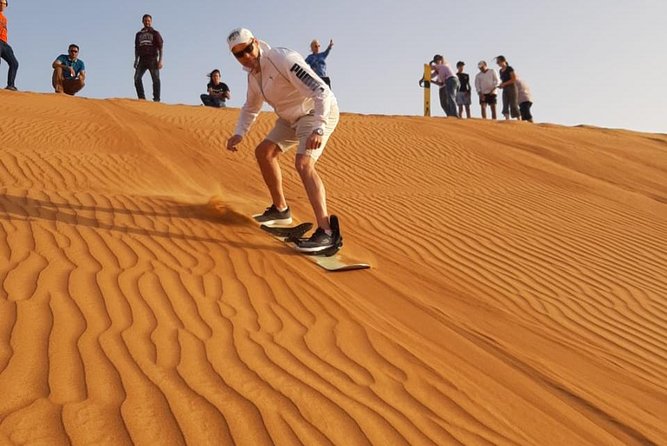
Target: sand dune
(518,294)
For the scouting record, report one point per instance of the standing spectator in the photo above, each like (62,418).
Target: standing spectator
(69,72)
(449,85)
(6,51)
(317,62)
(148,55)
(307,116)
(486,83)
(525,99)
(218,91)
(507,78)
(463,96)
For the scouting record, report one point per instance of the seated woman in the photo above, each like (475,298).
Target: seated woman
(218,92)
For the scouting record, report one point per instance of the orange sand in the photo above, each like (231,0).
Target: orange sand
(518,294)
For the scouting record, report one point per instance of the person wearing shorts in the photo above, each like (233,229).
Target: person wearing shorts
(463,96)
(69,72)
(307,116)
(486,83)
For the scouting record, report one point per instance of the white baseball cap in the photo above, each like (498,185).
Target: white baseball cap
(239,35)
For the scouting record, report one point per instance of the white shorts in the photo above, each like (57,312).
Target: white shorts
(286,136)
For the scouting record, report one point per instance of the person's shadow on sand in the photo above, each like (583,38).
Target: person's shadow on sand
(18,208)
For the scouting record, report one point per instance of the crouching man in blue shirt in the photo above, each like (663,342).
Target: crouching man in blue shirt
(69,72)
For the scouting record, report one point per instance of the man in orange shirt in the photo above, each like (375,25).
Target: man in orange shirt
(6,51)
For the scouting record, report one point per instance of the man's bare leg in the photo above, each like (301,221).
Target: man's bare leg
(57,79)
(268,155)
(314,186)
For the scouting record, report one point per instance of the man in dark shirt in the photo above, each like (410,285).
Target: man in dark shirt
(463,96)
(148,56)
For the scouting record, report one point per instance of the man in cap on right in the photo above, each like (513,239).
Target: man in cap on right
(307,115)
(486,83)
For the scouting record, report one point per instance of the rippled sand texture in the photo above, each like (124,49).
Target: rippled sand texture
(518,294)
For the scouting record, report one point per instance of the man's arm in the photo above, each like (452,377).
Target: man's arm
(160,52)
(249,113)
(251,108)
(299,73)
(496,81)
(325,53)
(58,63)
(136,50)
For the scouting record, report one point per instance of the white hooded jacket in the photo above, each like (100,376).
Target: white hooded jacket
(289,85)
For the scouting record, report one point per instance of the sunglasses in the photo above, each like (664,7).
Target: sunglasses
(73,51)
(247,50)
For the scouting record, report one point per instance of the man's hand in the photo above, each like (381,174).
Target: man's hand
(314,141)
(331,43)
(233,142)
(71,71)
(160,64)
(136,63)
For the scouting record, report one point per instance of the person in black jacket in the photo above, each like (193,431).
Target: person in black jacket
(148,55)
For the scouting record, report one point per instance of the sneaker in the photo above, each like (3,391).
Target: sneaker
(319,241)
(272,216)
(11,88)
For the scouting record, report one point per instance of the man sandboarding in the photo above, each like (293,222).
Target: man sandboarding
(307,115)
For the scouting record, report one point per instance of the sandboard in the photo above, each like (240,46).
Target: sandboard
(331,259)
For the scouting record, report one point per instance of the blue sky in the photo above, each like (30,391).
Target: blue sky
(590,62)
